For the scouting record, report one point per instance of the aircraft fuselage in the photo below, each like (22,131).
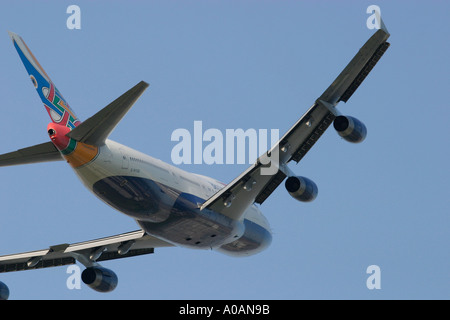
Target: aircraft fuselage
(165,201)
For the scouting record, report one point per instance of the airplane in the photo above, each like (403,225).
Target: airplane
(173,207)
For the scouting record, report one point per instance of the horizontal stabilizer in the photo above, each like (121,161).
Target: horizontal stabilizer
(96,129)
(39,153)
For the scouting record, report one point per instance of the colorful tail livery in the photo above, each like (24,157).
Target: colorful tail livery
(72,140)
(56,106)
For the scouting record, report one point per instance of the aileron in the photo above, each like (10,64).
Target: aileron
(358,68)
(302,136)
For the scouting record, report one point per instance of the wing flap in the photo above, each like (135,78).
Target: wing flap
(109,248)
(39,153)
(233,199)
(270,187)
(294,145)
(238,193)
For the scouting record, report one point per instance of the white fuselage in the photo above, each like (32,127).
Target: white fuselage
(165,201)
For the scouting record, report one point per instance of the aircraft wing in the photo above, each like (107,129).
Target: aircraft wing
(88,253)
(268,172)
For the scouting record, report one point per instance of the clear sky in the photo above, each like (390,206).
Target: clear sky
(241,64)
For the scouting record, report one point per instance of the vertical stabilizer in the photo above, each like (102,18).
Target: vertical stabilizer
(56,106)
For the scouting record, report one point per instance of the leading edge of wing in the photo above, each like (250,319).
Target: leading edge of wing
(257,182)
(252,186)
(89,252)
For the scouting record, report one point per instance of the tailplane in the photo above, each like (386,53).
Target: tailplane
(95,130)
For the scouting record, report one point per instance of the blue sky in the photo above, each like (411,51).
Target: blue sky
(241,64)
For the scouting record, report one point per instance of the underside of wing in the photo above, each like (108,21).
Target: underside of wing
(358,68)
(88,253)
(259,181)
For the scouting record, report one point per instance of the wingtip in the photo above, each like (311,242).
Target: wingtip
(383,26)
(144,84)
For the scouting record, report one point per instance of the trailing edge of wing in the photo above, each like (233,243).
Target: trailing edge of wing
(39,153)
(96,129)
(358,68)
(254,185)
(136,243)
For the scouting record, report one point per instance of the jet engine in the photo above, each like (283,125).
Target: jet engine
(4,291)
(349,128)
(301,188)
(100,279)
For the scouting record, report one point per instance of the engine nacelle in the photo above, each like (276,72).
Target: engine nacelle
(4,291)
(349,128)
(100,279)
(301,188)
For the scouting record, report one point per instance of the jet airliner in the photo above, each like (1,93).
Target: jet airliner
(173,207)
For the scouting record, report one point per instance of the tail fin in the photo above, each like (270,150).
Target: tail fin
(56,106)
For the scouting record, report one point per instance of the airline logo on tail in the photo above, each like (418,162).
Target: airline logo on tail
(63,118)
(56,106)
(78,143)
